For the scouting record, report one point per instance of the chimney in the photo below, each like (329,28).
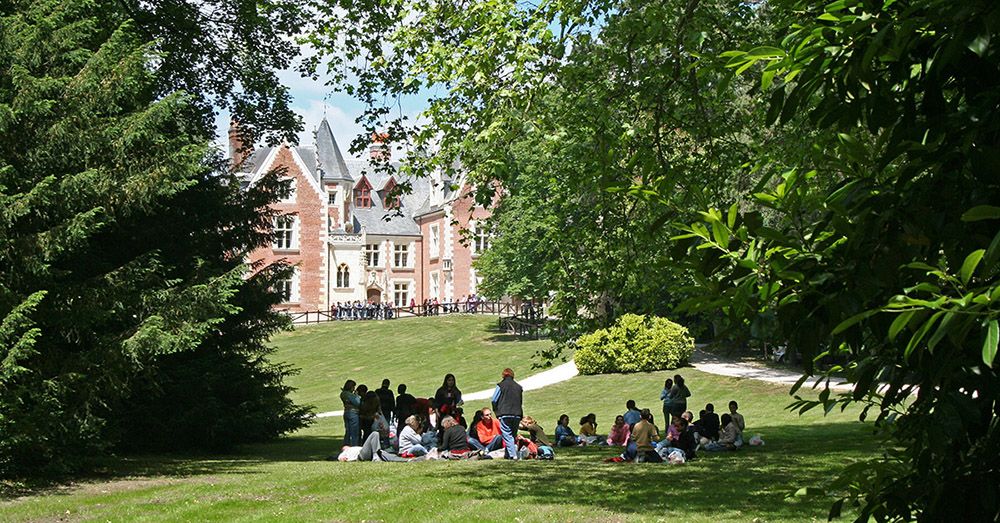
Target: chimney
(238,150)
(379,149)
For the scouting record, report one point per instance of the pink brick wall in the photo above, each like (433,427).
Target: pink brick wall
(311,254)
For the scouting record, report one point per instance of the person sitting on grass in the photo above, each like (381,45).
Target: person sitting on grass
(679,438)
(619,434)
(738,419)
(370,451)
(727,438)
(640,446)
(454,440)
(410,442)
(565,437)
(588,429)
(632,414)
(485,431)
(536,432)
(709,424)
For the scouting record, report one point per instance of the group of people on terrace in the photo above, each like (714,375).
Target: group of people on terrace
(359,310)
(382,426)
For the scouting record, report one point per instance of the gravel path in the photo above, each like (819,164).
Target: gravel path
(713,364)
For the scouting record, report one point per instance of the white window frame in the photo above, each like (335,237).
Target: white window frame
(282,224)
(435,243)
(435,278)
(401,250)
(480,238)
(293,287)
(372,253)
(401,294)
(331,197)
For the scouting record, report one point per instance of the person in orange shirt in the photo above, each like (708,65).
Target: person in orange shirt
(484,433)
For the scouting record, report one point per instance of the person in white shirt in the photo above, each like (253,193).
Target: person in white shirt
(409,438)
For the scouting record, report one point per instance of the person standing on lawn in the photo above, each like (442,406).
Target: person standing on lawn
(507,406)
(404,406)
(352,423)
(679,394)
(386,400)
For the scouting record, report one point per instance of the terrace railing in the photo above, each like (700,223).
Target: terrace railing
(353,314)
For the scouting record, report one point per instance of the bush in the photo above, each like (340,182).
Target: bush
(634,344)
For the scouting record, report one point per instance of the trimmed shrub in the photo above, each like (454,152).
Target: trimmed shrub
(634,344)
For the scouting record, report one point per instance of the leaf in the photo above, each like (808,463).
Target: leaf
(766,78)
(980,44)
(970,263)
(981,212)
(766,51)
(849,322)
(731,219)
(899,323)
(990,345)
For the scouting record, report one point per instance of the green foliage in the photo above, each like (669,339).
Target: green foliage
(121,248)
(879,253)
(634,343)
(594,143)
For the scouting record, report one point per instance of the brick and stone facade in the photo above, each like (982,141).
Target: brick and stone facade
(346,239)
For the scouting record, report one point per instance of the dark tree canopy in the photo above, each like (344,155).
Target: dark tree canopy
(123,290)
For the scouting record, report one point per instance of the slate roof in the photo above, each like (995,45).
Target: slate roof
(325,163)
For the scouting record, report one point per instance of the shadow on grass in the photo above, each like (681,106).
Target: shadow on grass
(755,481)
(242,460)
(751,481)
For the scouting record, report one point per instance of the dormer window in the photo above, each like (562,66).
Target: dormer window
(363,194)
(388,200)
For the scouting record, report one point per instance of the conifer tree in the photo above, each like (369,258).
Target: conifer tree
(124,296)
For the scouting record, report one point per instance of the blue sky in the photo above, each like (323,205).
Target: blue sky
(312,100)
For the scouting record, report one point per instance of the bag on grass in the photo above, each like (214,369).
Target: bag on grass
(756,441)
(676,457)
(546,452)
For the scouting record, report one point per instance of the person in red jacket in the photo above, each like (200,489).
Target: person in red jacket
(485,433)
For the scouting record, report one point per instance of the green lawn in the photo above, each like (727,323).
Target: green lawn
(415,351)
(288,480)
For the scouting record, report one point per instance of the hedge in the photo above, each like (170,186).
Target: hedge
(635,343)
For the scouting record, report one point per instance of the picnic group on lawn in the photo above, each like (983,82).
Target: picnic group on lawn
(382,426)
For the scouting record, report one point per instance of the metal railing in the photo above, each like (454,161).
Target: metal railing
(389,313)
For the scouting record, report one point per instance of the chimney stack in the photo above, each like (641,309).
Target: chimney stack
(239,150)
(379,149)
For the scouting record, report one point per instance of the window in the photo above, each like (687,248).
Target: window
(390,202)
(331,197)
(435,285)
(288,288)
(371,254)
(402,253)
(343,276)
(363,194)
(284,233)
(435,244)
(401,294)
(287,190)
(480,238)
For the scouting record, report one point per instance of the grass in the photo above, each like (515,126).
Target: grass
(288,480)
(415,351)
